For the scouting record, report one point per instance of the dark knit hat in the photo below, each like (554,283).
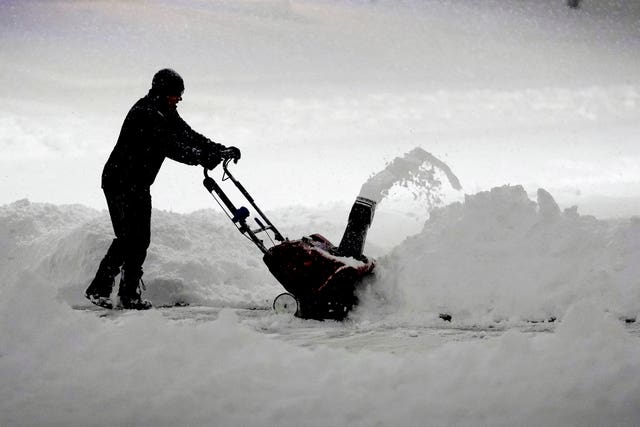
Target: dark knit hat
(167,82)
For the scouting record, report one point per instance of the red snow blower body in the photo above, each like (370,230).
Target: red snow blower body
(320,278)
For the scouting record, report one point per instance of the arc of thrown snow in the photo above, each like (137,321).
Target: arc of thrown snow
(401,168)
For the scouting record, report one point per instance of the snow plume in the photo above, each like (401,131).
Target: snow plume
(500,257)
(418,171)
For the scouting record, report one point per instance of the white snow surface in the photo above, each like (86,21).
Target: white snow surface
(494,260)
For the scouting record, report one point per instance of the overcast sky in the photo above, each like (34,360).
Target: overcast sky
(320,94)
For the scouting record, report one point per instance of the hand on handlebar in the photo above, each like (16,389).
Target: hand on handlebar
(231,153)
(211,161)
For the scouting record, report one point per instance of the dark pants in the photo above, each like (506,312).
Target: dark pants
(130,213)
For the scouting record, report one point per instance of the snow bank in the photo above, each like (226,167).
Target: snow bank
(195,258)
(497,256)
(500,256)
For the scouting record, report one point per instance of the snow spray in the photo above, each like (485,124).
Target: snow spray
(408,169)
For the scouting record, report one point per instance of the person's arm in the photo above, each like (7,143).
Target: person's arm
(185,145)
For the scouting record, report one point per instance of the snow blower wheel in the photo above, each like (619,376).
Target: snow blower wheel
(285,303)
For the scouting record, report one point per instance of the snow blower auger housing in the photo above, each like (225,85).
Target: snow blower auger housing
(320,278)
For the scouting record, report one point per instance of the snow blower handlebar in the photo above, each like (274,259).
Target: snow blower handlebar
(239,215)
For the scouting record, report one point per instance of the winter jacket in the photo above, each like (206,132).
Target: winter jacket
(150,132)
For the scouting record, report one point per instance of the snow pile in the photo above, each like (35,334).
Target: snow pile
(195,258)
(30,232)
(500,256)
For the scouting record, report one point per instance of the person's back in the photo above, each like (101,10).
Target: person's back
(137,156)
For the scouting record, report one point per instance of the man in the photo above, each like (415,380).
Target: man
(152,130)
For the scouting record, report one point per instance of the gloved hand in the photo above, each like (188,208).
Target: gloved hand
(231,153)
(211,160)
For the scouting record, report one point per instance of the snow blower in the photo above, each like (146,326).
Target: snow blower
(320,278)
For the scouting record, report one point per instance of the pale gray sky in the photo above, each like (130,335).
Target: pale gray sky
(320,94)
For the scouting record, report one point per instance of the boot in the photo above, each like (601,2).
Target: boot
(99,291)
(130,293)
(100,301)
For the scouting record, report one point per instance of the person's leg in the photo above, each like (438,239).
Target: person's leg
(137,236)
(99,291)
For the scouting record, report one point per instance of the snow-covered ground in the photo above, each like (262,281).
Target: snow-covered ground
(535,107)
(496,263)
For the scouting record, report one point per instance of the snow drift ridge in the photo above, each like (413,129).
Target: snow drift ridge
(498,255)
(501,256)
